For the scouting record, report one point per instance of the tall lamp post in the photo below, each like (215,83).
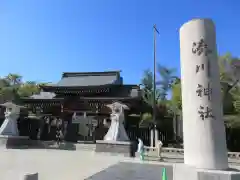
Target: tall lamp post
(155,32)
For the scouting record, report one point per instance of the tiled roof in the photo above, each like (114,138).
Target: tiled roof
(77,74)
(87,81)
(90,79)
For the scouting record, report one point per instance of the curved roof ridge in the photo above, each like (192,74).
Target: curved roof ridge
(75,74)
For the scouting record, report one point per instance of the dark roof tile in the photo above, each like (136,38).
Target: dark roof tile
(89,80)
(77,74)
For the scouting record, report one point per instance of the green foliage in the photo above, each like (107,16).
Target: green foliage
(147,80)
(14,79)
(148,96)
(9,86)
(12,88)
(230,89)
(27,89)
(176,98)
(168,82)
(146,118)
(147,90)
(224,63)
(164,83)
(7,94)
(232,121)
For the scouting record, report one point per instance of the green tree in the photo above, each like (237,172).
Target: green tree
(230,83)
(230,91)
(12,88)
(163,86)
(29,88)
(14,79)
(147,90)
(176,98)
(7,89)
(147,80)
(167,79)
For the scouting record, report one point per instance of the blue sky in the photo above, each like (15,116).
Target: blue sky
(42,39)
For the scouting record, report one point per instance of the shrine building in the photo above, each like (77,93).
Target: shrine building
(83,95)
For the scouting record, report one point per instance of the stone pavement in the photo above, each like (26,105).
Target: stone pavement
(77,165)
(133,171)
(54,164)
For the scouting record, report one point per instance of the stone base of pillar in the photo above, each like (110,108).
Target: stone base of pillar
(184,172)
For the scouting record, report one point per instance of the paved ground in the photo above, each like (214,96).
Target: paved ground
(133,171)
(53,164)
(76,165)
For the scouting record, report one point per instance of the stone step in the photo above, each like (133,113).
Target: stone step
(85,147)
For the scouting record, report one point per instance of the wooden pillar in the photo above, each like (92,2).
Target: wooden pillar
(38,112)
(63,125)
(98,109)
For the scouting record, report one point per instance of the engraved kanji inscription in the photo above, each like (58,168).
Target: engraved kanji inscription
(199,67)
(205,113)
(200,48)
(203,67)
(204,91)
(208,68)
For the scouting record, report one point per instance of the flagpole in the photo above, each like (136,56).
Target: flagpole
(155,31)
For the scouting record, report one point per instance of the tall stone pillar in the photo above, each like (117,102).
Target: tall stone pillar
(203,126)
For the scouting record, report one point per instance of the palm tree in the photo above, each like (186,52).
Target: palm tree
(167,79)
(147,90)
(165,83)
(14,79)
(147,80)
(7,89)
